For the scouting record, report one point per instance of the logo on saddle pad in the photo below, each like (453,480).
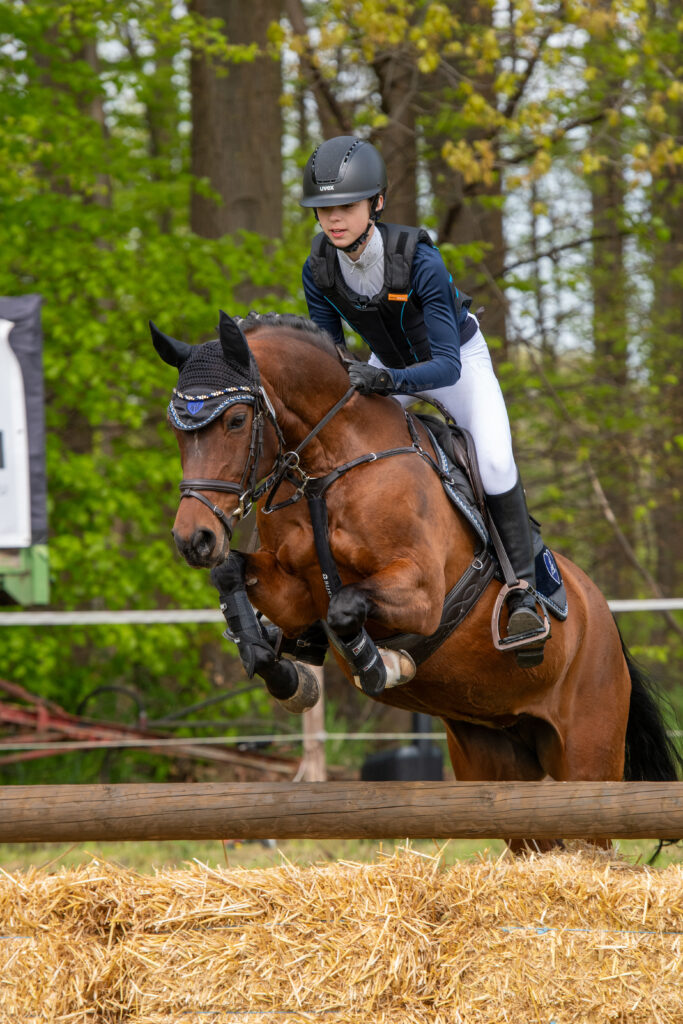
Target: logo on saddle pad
(551,566)
(194,407)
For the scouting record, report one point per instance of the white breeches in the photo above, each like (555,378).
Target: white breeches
(476,403)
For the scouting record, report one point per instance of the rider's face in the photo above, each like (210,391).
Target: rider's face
(343,224)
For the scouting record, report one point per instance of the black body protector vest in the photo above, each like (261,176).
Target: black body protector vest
(391,323)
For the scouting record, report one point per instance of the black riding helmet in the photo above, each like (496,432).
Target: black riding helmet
(341,171)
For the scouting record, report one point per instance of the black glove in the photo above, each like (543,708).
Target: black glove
(370,379)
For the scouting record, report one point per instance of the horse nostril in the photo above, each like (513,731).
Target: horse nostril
(203,542)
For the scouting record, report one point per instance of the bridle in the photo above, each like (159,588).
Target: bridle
(287,465)
(246,487)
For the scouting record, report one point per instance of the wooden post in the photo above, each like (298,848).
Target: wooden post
(313,721)
(343,810)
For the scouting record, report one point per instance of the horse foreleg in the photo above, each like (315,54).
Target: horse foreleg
(404,597)
(283,598)
(293,684)
(381,598)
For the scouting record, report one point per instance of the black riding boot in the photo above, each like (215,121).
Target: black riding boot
(511,519)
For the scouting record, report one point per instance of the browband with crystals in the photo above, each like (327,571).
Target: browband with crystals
(189,411)
(213,394)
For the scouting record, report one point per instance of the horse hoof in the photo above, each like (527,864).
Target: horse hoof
(399,665)
(307,693)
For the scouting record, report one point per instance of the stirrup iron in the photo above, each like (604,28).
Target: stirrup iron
(536,637)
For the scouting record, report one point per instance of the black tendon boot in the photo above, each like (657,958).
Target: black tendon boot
(511,519)
(294,685)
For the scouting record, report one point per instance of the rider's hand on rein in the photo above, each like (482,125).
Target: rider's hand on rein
(370,380)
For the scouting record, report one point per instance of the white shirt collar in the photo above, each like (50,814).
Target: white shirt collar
(366,274)
(371,254)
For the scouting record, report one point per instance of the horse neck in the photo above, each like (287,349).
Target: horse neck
(303,387)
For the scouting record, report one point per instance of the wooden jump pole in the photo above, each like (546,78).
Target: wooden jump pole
(341,810)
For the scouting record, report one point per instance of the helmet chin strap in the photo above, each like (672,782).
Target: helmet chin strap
(375,215)
(361,238)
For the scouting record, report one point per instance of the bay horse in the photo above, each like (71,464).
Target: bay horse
(267,408)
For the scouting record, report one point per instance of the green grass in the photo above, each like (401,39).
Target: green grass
(147,857)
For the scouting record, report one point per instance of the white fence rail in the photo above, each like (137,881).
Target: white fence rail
(154,617)
(176,616)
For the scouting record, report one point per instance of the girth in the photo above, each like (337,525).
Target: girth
(459,602)
(463,595)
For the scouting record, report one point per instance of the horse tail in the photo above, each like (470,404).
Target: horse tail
(651,753)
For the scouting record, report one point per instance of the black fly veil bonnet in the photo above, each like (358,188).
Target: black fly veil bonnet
(211,377)
(208,384)
(221,373)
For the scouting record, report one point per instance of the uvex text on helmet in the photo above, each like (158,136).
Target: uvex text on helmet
(343,170)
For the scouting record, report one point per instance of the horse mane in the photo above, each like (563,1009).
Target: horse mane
(304,328)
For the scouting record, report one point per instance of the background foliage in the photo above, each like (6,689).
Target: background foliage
(149,167)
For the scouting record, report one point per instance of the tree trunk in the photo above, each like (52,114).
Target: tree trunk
(462,219)
(334,119)
(665,367)
(398,80)
(465,213)
(610,340)
(610,332)
(237,128)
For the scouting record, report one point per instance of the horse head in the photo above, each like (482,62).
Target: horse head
(218,411)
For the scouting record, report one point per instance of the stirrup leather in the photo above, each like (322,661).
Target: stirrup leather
(523,639)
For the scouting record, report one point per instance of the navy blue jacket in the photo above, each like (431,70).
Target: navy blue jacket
(431,282)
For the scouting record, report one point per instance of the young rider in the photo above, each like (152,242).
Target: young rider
(424,341)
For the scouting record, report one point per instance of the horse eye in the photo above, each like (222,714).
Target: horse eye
(238,421)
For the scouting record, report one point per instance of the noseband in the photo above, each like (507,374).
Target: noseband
(193,488)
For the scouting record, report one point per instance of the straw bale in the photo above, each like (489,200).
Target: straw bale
(564,938)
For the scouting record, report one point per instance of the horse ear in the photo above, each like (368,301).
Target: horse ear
(173,352)
(233,342)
